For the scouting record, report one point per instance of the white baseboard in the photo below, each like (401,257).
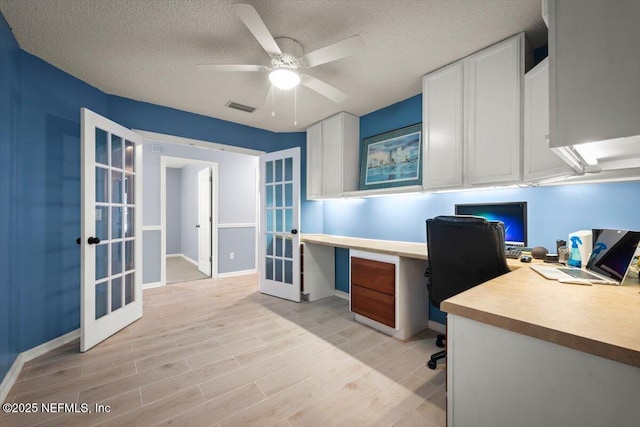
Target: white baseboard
(438,327)
(31,354)
(237,273)
(341,294)
(183,256)
(151,285)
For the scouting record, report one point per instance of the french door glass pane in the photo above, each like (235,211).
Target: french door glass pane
(269,172)
(102,222)
(116,293)
(116,223)
(269,268)
(102,260)
(278,246)
(116,257)
(102,185)
(101,299)
(116,187)
(129,156)
(288,195)
(279,224)
(288,169)
(278,263)
(279,201)
(129,194)
(288,220)
(270,201)
(288,248)
(116,151)
(129,216)
(288,272)
(128,288)
(278,170)
(102,148)
(269,243)
(129,255)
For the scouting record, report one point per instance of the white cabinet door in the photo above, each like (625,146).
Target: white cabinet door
(594,69)
(442,111)
(314,161)
(539,161)
(493,86)
(332,141)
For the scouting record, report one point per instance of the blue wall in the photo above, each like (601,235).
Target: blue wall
(553,212)
(9,102)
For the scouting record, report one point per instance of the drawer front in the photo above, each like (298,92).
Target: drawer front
(375,275)
(374,305)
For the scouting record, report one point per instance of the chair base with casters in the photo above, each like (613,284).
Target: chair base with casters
(463,252)
(439,355)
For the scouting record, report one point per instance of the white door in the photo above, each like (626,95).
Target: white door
(204,221)
(111,287)
(279,242)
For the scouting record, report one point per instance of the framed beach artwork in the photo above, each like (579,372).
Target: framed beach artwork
(392,159)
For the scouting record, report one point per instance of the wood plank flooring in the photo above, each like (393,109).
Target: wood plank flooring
(218,353)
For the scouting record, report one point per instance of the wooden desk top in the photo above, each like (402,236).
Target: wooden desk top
(403,249)
(390,247)
(600,319)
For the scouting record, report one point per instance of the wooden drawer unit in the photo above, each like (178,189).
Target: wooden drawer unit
(375,275)
(374,305)
(373,290)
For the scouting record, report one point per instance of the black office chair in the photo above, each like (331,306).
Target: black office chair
(463,252)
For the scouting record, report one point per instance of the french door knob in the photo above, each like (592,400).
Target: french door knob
(93,240)
(197,225)
(78,241)
(294,231)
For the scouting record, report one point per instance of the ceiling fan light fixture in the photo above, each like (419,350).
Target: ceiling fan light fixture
(284,78)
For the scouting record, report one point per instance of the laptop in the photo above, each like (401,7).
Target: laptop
(608,264)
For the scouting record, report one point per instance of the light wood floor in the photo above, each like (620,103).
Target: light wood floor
(217,352)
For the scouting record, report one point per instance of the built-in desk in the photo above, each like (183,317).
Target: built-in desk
(410,294)
(526,351)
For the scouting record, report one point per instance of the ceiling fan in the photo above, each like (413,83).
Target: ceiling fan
(288,57)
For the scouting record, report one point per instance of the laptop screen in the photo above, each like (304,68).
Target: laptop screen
(612,252)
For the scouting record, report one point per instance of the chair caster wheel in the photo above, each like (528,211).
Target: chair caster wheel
(431,364)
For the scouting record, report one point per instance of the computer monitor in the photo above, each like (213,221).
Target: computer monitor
(513,215)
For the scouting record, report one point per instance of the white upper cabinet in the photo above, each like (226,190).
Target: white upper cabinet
(472,115)
(442,124)
(539,161)
(594,69)
(333,147)
(493,113)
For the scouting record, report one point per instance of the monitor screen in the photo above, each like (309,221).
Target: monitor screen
(513,215)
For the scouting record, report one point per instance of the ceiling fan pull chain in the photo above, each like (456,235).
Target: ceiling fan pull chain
(295,106)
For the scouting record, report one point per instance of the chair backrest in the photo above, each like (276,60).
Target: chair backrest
(463,252)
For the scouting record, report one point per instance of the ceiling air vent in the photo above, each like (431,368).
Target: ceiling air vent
(240,107)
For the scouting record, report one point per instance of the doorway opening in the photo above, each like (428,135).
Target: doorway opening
(189,205)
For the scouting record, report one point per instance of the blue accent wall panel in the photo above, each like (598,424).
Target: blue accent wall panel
(9,108)
(47,259)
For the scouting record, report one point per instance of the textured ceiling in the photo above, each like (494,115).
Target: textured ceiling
(147,50)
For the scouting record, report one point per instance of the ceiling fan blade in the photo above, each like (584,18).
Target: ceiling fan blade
(324,89)
(231,67)
(255,24)
(339,50)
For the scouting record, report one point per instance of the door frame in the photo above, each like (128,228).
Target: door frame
(165,162)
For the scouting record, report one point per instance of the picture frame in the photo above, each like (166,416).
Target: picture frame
(392,159)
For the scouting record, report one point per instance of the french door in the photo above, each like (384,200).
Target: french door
(111,244)
(279,242)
